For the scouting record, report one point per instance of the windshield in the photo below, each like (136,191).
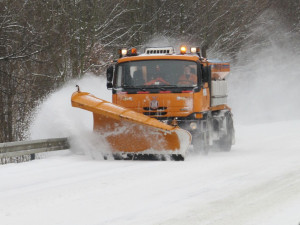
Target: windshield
(149,73)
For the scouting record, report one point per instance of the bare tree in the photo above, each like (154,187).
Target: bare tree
(45,43)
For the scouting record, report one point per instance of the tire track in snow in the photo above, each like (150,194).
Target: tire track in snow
(258,202)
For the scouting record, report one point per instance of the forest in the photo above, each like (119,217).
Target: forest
(44,44)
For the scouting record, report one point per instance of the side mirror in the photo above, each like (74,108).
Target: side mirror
(109,85)
(206,74)
(109,77)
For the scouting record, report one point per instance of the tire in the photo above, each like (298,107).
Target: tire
(226,141)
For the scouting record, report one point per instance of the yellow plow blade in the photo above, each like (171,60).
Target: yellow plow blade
(129,132)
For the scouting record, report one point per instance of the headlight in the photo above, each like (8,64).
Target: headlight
(195,50)
(124,51)
(193,125)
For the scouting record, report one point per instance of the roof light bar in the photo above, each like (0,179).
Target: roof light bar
(127,52)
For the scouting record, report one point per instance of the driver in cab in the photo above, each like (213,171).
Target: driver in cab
(188,77)
(156,78)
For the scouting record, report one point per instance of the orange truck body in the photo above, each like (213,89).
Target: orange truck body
(198,101)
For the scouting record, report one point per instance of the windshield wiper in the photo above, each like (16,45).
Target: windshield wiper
(169,85)
(142,88)
(158,86)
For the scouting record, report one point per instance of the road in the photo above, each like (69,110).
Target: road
(258,182)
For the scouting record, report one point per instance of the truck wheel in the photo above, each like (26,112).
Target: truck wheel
(225,141)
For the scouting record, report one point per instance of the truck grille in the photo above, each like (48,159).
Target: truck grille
(160,111)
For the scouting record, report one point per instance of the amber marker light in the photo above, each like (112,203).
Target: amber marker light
(183,49)
(133,51)
(198,116)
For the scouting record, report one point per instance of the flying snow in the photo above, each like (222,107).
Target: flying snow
(55,117)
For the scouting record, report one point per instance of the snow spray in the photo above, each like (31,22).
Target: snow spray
(55,117)
(264,81)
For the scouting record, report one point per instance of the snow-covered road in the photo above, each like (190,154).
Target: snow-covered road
(258,182)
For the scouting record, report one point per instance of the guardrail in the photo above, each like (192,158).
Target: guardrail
(30,148)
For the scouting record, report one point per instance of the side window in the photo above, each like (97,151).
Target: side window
(119,76)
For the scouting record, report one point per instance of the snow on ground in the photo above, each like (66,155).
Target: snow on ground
(258,182)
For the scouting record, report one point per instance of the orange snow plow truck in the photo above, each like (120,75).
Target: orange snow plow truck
(162,103)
